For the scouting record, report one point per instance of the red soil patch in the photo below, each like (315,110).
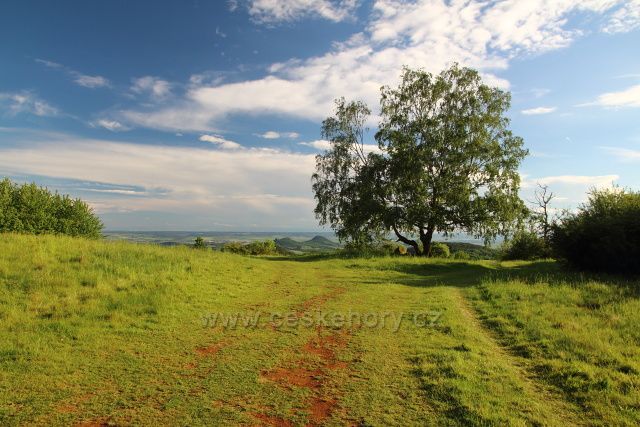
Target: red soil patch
(316,347)
(324,345)
(298,376)
(321,410)
(337,339)
(72,405)
(319,300)
(211,350)
(67,409)
(272,421)
(337,365)
(94,423)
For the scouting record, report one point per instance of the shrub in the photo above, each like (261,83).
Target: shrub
(376,248)
(400,250)
(261,247)
(199,243)
(461,255)
(604,235)
(30,209)
(439,250)
(234,247)
(525,245)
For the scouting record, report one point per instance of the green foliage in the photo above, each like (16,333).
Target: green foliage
(525,245)
(474,251)
(199,243)
(439,250)
(604,235)
(264,247)
(31,209)
(234,247)
(346,182)
(379,248)
(447,162)
(461,255)
(389,247)
(260,247)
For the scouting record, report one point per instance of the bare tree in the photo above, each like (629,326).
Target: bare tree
(540,214)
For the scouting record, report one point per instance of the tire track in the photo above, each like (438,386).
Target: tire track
(563,410)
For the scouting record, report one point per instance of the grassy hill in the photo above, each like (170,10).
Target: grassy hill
(99,333)
(316,244)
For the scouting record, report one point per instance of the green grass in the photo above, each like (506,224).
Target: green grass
(113,333)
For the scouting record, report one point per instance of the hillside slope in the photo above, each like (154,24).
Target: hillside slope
(316,244)
(101,333)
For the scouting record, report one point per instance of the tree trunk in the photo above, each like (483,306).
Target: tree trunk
(410,242)
(425,238)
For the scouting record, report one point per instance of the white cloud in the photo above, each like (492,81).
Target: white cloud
(83,80)
(319,144)
(270,135)
(155,87)
(225,144)
(540,92)
(624,154)
(596,181)
(422,33)
(112,125)
(625,19)
(116,191)
(91,81)
(220,33)
(538,111)
(49,64)
(322,144)
(26,102)
(629,97)
(276,135)
(275,11)
(238,187)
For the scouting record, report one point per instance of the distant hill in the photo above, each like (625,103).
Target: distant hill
(316,244)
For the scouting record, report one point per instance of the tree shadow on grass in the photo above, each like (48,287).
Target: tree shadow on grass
(462,274)
(434,272)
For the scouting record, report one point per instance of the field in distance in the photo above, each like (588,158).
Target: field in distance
(217,239)
(295,242)
(115,333)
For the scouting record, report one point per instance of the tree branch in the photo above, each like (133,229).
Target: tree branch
(403,239)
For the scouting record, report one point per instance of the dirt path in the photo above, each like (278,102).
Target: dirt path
(312,368)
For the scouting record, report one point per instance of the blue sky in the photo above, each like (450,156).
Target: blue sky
(205,115)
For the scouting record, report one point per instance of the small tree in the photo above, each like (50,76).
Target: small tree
(446,162)
(525,245)
(199,243)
